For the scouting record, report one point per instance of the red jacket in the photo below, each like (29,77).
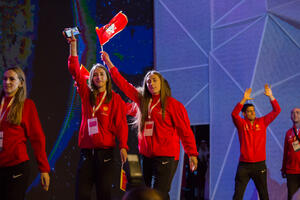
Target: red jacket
(15,137)
(166,133)
(253,137)
(111,116)
(291,159)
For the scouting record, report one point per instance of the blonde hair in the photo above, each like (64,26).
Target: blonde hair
(14,116)
(145,96)
(93,88)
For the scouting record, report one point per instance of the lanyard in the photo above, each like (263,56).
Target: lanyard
(296,134)
(2,105)
(150,109)
(100,103)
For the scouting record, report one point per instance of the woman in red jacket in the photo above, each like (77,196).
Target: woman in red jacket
(19,122)
(103,118)
(162,122)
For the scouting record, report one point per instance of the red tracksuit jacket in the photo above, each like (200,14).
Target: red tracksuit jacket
(111,116)
(253,137)
(291,159)
(167,132)
(15,137)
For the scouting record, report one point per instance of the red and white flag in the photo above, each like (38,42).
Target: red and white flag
(116,24)
(84,72)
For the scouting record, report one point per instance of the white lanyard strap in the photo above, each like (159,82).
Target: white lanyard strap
(100,103)
(2,105)
(150,109)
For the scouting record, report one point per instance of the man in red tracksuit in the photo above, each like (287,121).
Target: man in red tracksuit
(252,137)
(291,156)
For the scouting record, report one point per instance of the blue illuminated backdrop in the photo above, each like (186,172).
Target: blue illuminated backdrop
(211,51)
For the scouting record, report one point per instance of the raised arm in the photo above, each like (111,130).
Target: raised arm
(247,95)
(128,89)
(73,62)
(268,92)
(276,108)
(237,109)
(73,44)
(74,66)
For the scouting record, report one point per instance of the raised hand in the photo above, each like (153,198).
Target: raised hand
(73,43)
(247,95)
(106,59)
(268,92)
(69,39)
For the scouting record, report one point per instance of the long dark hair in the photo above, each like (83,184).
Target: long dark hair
(145,96)
(94,89)
(14,116)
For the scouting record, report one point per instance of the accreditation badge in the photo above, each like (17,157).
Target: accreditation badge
(93,126)
(296,145)
(148,128)
(1,140)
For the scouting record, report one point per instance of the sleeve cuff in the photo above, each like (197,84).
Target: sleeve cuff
(113,69)
(124,147)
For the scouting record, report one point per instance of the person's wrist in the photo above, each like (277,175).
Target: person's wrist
(191,157)
(72,41)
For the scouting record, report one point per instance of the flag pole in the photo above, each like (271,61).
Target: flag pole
(101,51)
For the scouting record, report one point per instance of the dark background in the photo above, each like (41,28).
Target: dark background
(31,38)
